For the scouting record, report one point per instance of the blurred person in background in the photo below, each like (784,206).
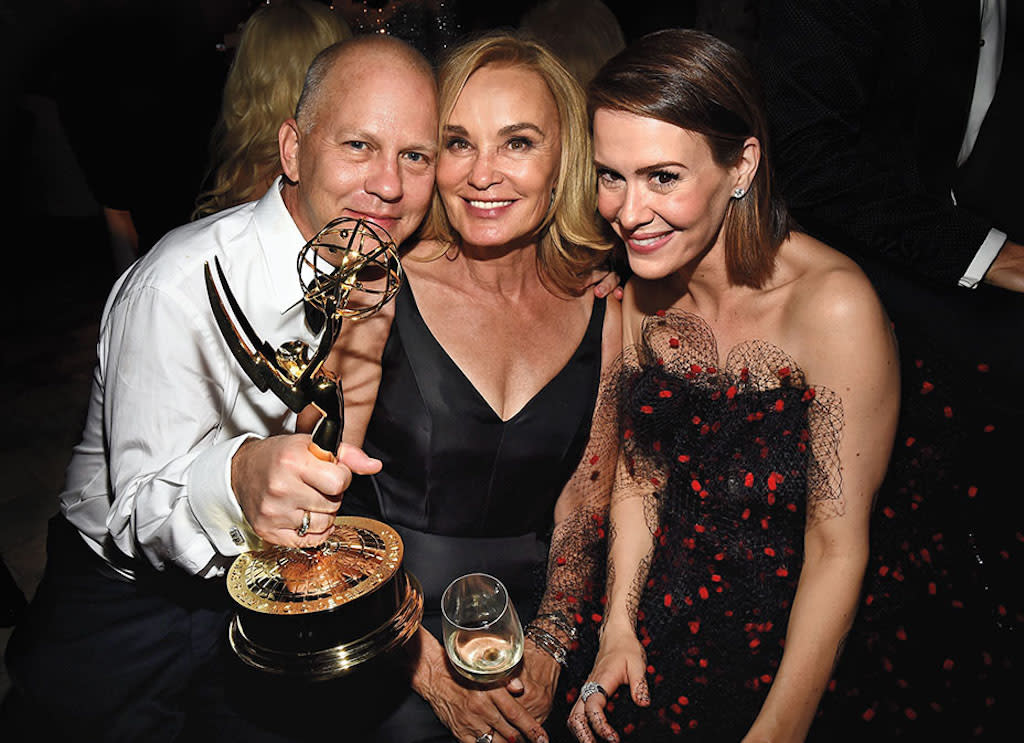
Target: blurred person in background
(263,84)
(583,34)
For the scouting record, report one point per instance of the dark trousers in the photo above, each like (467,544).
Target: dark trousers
(101,658)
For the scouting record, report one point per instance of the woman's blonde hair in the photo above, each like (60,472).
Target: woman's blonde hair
(570,243)
(278,43)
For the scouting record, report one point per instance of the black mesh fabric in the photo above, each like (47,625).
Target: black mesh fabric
(733,462)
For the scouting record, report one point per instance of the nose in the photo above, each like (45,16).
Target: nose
(384,180)
(633,211)
(483,174)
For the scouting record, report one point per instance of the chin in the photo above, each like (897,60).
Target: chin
(646,268)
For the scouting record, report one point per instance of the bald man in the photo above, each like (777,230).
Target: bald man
(183,461)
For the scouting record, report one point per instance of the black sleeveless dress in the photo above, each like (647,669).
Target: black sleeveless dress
(467,491)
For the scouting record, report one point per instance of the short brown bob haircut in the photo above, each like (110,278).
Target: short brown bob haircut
(570,243)
(697,82)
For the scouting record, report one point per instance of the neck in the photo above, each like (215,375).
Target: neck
(507,270)
(290,196)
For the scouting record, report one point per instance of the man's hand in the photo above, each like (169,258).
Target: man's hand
(278,480)
(1007,270)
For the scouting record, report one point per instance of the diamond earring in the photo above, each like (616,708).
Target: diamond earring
(738,193)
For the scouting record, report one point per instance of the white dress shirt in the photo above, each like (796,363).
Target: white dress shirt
(990,64)
(151,478)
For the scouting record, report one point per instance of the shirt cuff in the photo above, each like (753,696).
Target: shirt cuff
(983,259)
(213,501)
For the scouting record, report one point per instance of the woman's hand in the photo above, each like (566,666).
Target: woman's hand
(469,711)
(606,282)
(621,660)
(534,685)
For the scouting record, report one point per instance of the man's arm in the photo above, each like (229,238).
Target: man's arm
(165,391)
(847,180)
(192,483)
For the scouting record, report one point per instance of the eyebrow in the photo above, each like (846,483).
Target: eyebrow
(521,126)
(427,147)
(364,136)
(648,169)
(504,131)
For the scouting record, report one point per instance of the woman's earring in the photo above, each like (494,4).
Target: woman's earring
(738,193)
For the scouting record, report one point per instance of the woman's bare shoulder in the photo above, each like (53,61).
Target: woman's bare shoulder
(834,303)
(828,286)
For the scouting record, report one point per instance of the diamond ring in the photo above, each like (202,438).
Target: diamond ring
(304,526)
(591,688)
(486,737)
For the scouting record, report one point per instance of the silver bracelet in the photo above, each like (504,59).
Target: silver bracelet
(558,620)
(548,643)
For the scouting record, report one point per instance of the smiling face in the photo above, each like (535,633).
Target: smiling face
(500,156)
(661,190)
(368,149)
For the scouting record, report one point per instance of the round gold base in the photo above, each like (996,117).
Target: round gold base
(332,662)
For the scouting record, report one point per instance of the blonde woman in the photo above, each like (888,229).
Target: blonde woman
(277,44)
(489,380)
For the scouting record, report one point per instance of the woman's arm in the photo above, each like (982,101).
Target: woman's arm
(851,352)
(621,658)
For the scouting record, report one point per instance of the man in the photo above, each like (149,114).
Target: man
(183,461)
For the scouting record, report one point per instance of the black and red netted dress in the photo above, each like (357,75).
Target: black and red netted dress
(734,459)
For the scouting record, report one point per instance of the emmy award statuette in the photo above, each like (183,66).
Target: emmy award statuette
(319,613)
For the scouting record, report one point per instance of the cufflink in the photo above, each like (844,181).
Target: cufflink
(236,536)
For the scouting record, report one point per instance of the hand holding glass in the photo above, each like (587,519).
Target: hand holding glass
(482,633)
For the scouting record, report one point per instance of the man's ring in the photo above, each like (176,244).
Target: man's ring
(304,526)
(486,737)
(591,688)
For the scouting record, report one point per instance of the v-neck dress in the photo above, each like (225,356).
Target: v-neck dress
(467,491)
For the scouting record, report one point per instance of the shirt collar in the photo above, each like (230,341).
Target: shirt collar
(280,242)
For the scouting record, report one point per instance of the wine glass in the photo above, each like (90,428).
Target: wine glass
(482,633)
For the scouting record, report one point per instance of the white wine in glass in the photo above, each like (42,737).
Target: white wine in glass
(482,633)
